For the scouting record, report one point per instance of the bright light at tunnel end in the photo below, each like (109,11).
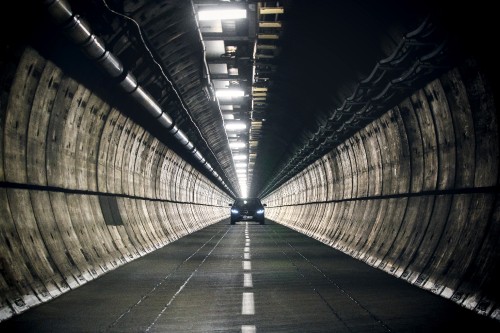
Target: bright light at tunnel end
(244,190)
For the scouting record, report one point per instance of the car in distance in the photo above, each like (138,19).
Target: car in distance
(247,209)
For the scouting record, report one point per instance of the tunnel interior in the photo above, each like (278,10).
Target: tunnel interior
(377,135)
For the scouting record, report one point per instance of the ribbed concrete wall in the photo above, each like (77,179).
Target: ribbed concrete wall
(414,193)
(84,189)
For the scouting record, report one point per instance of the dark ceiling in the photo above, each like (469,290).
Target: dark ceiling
(326,48)
(329,46)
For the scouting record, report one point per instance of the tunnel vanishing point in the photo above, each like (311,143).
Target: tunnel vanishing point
(377,136)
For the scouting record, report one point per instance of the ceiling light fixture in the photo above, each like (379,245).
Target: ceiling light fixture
(239,157)
(237,145)
(222,14)
(229,93)
(235,126)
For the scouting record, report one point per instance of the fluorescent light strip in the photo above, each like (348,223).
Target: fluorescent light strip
(222,14)
(239,157)
(229,93)
(237,144)
(235,126)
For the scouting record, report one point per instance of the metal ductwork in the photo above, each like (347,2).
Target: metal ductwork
(80,33)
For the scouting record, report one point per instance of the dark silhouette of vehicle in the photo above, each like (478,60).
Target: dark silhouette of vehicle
(247,209)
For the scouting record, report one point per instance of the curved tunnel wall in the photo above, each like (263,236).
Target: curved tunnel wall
(414,193)
(84,188)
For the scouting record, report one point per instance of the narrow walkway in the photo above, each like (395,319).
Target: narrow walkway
(247,278)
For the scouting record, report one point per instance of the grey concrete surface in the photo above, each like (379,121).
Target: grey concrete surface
(196,284)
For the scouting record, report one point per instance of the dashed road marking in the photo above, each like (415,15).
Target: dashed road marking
(248,329)
(247,280)
(247,305)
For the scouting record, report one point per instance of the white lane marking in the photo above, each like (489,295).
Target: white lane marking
(161,282)
(248,329)
(247,242)
(246,256)
(247,305)
(246,249)
(185,283)
(247,265)
(247,280)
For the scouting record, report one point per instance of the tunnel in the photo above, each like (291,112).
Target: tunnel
(369,129)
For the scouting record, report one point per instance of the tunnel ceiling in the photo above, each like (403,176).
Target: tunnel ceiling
(321,53)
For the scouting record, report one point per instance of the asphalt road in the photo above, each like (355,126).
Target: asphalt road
(248,278)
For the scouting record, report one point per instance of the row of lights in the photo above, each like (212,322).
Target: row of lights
(240,158)
(244,133)
(238,148)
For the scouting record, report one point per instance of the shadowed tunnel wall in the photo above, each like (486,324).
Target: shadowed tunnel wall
(414,193)
(84,188)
